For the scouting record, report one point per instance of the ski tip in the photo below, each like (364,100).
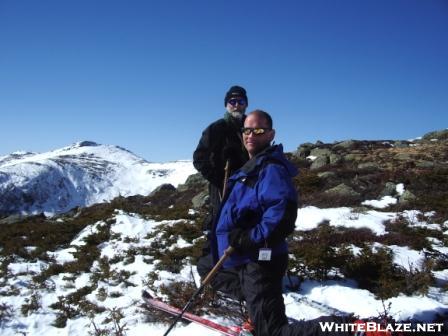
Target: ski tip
(146,295)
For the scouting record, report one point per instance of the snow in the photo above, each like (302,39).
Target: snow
(129,175)
(344,297)
(81,175)
(310,217)
(25,267)
(63,256)
(407,258)
(132,226)
(382,203)
(412,217)
(400,188)
(87,231)
(341,295)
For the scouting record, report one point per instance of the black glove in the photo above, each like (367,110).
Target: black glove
(240,240)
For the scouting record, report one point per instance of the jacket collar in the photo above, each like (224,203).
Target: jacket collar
(272,153)
(257,159)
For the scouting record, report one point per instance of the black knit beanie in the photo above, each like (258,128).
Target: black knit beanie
(235,91)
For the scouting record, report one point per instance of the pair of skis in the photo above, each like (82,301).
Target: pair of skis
(229,330)
(224,330)
(183,313)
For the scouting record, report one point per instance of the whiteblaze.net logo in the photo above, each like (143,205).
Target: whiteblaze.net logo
(361,328)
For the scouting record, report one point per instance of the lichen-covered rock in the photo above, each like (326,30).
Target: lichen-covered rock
(321,161)
(343,190)
(335,159)
(320,152)
(195,180)
(368,165)
(200,200)
(163,187)
(407,197)
(436,135)
(348,144)
(390,189)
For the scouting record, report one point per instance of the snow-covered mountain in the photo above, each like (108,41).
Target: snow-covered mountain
(82,174)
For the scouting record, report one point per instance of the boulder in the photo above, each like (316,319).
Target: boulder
(436,135)
(304,150)
(195,180)
(12,219)
(200,200)
(346,145)
(327,175)
(425,164)
(335,159)
(353,157)
(401,144)
(320,152)
(342,190)
(404,157)
(406,197)
(321,161)
(163,187)
(390,189)
(369,165)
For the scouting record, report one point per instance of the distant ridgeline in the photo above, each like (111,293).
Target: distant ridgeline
(79,175)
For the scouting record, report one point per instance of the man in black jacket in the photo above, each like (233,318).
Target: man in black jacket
(221,143)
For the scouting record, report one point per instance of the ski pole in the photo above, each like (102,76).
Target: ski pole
(207,279)
(226,177)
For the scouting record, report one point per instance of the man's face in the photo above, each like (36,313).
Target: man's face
(236,104)
(254,143)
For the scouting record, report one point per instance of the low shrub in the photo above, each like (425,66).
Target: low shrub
(402,234)
(73,305)
(318,253)
(31,305)
(375,271)
(6,312)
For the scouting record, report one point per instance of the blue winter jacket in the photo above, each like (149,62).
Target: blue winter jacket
(262,201)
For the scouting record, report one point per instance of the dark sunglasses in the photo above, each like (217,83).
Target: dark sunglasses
(254,130)
(240,101)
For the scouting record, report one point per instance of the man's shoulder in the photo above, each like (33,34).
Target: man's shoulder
(273,166)
(218,125)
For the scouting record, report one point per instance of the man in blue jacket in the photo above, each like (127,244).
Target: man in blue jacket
(258,212)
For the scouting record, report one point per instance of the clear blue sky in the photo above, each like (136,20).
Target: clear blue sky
(151,75)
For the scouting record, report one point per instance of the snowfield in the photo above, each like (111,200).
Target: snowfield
(131,231)
(87,173)
(82,174)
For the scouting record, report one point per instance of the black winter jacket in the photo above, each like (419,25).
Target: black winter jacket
(220,141)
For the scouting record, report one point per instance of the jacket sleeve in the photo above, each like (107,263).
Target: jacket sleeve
(278,200)
(206,156)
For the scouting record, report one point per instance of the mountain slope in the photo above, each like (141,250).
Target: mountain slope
(80,175)
(362,249)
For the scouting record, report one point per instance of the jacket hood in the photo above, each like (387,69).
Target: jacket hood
(272,153)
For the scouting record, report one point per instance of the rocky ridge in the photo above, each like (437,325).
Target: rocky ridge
(351,171)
